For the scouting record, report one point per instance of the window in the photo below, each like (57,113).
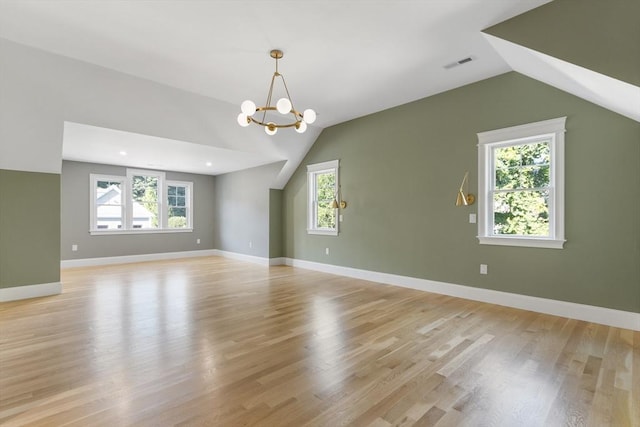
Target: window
(143,201)
(108,206)
(146,197)
(521,185)
(322,181)
(179,204)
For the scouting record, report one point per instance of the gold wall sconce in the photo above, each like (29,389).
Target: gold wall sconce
(337,200)
(465,198)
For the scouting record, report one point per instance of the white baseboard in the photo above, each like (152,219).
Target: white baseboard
(249,258)
(90,262)
(589,313)
(30,291)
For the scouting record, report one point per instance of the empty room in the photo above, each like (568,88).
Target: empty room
(319,213)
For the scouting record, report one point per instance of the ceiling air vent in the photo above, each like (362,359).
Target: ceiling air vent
(459,62)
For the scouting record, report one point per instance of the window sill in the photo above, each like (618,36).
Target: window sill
(523,242)
(323,232)
(140,231)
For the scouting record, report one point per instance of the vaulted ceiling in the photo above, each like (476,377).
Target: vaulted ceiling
(345,59)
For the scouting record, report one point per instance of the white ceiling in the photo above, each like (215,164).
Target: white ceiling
(344,59)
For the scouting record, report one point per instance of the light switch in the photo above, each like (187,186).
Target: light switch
(472,218)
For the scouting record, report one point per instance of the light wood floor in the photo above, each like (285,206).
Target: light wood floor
(215,342)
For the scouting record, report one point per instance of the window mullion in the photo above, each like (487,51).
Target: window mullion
(162,220)
(521,189)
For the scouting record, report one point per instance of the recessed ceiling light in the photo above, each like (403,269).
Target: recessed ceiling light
(123,153)
(209,164)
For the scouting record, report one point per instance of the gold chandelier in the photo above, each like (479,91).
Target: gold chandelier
(284,106)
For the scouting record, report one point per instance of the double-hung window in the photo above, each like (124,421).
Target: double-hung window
(521,185)
(322,182)
(179,204)
(108,196)
(143,201)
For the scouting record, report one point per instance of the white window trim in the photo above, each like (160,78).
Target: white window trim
(93,179)
(516,135)
(312,170)
(126,188)
(189,186)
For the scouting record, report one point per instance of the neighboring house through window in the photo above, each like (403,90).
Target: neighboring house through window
(108,210)
(521,185)
(322,183)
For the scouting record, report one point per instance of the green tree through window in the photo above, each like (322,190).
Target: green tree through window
(322,182)
(521,189)
(325,192)
(145,192)
(177,200)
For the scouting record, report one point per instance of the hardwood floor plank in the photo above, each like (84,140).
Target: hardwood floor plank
(217,342)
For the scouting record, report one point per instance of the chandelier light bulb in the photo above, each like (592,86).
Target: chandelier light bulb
(243,120)
(271,129)
(309,116)
(248,108)
(283,106)
(301,127)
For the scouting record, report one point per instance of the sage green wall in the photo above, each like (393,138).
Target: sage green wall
(75,217)
(400,170)
(29,228)
(275,223)
(599,35)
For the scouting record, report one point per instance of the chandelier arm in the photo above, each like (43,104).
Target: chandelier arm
(269,95)
(286,89)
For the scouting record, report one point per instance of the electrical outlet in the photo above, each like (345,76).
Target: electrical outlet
(483,269)
(250,244)
(326,251)
(197,241)
(74,248)
(340,218)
